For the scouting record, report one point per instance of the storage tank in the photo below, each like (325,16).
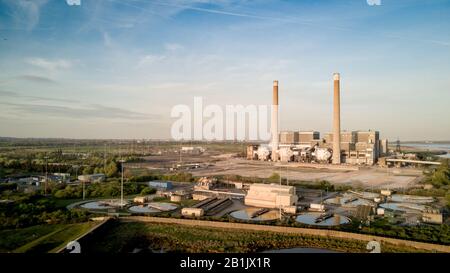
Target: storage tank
(263,152)
(322,154)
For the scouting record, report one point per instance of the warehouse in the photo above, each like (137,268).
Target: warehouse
(272,196)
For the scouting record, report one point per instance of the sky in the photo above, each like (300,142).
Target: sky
(115,69)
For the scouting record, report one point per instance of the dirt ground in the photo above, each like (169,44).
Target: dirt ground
(365,177)
(368,177)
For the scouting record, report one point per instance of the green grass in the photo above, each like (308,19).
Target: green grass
(14,238)
(124,237)
(62,203)
(42,238)
(188,202)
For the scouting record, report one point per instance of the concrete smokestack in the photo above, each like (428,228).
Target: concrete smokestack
(337,120)
(274,121)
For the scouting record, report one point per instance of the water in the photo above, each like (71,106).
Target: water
(431,147)
(347,197)
(405,207)
(162,206)
(411,199)
(104,204)
(310,218)
(357,202)
(245,214)
(143,209)
(96,205)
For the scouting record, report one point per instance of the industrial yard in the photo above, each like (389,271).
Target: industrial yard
(370,177)
(258,202)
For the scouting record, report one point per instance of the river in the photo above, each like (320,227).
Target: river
(431,147)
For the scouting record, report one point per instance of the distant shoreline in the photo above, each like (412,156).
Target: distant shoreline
(3,138)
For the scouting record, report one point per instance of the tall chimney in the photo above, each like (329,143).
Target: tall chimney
(274,127)
(337,120)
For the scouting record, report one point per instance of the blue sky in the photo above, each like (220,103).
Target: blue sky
(115,69)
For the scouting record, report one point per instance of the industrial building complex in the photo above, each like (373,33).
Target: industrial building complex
(336,147)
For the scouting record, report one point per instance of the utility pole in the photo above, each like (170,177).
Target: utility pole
(121,188)
(104,160)
(180,153)
(84,192)
(46,175)
(76,167)
(287,174)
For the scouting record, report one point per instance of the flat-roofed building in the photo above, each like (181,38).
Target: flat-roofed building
(288,137)
(306,137)
(271,196)
(346,137)
(192,212)
(367,136)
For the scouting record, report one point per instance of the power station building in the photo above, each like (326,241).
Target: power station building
(336,147)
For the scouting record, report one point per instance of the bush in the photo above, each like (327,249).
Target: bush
(148,190)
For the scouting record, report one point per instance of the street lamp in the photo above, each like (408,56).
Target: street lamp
(76,167)
(46,174)
(121,188)
(287,175)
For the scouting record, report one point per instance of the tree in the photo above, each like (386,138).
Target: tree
(111,169)
(148,190)
(60,194)
(88,170)
(447,197)
(274,178)
(441,176)
(98,170)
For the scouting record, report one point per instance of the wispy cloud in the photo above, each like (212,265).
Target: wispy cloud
(36,79)
(25,12)
(34,98)
(51,65)
(191,5)
(150,59)
(92,111)
(179,6)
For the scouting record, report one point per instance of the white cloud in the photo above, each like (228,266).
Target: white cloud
(50,65)
(150,59)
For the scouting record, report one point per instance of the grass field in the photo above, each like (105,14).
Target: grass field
(41,238)
(119,237)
